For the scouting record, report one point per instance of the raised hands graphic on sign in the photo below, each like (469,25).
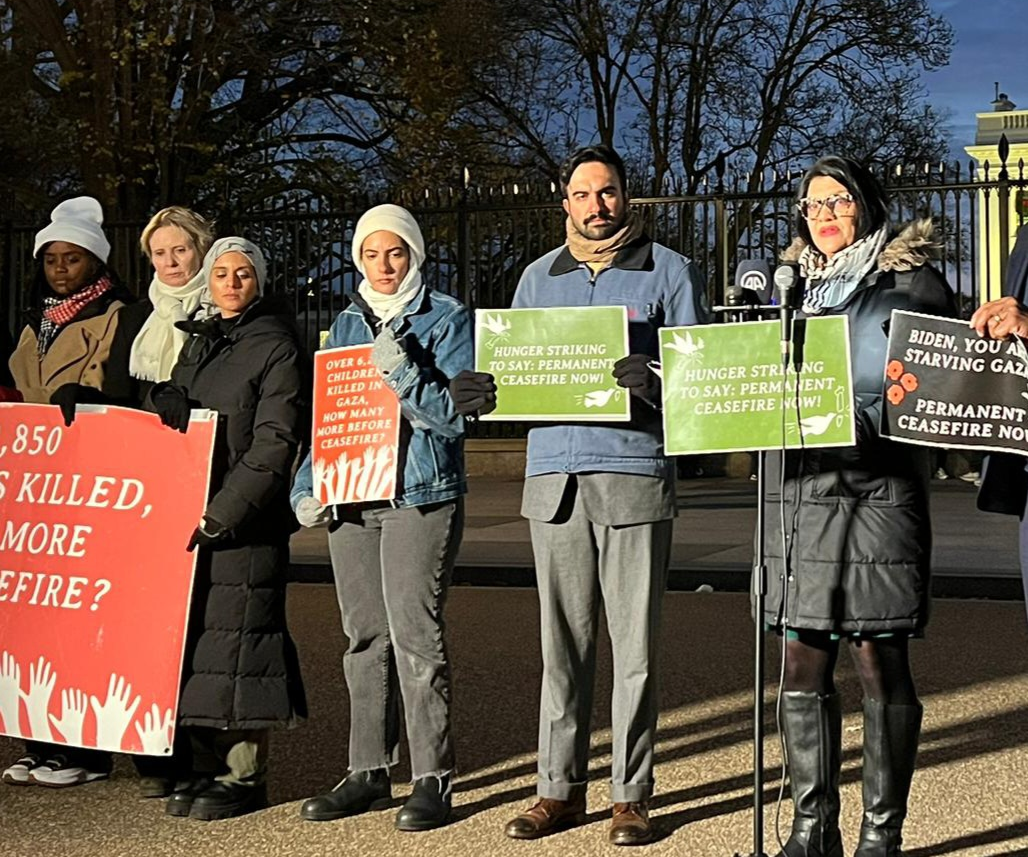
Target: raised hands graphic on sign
(42,679)
(115,713)
(74,704)
(10,693)
(155,732)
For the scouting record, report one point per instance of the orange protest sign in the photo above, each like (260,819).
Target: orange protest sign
(356,428)
(95,580)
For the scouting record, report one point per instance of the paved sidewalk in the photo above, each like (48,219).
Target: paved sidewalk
(969,795)
(975,553)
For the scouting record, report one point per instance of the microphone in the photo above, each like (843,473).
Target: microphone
(754,275)
(788,287)
(787,290)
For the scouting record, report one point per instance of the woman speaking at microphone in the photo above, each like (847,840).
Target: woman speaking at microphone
(856,523)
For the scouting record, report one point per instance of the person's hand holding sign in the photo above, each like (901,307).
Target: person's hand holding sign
(172,406)
(473,393)
(387,352)
(1001,318)
(205,535)
(635,373)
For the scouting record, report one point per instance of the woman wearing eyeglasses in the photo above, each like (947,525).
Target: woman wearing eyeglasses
(856,521)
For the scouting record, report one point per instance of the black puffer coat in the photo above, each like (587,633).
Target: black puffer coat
(861,538)
(243,671)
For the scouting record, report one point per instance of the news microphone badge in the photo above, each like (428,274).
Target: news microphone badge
(754,279)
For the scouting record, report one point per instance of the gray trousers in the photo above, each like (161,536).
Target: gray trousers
(580,560)
(392,568)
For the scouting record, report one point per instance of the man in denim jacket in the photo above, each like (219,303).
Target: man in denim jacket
(600,500)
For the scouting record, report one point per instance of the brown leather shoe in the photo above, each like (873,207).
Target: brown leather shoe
(631,824)
(547,816)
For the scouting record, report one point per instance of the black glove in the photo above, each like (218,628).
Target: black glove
(473,393)
(68,395)
(208,533)
(633,372)
(172,406)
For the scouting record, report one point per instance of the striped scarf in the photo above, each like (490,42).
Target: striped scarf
(831,281)
(57,312)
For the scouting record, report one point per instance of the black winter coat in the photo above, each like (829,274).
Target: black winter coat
(120,387)
(244,671)
(861,538)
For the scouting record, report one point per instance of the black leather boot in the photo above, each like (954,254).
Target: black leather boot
(890,750)
(184,793)
(359,792)
(813,739)
(228,800)
(428,806)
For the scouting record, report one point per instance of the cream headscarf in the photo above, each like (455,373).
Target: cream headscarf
(399,221)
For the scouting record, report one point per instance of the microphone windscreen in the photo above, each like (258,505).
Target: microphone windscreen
(755,275)
(788,290)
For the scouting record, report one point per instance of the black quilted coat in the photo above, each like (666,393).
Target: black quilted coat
(859,533)
(242,670)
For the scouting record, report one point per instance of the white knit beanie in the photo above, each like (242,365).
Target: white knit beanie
(388,218)
(78,221)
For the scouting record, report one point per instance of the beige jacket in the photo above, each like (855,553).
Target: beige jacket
(77,356)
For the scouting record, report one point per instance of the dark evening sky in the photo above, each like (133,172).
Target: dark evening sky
(991,45)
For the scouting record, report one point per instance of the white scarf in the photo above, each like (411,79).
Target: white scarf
(387,307)
(156,347)
(831,281)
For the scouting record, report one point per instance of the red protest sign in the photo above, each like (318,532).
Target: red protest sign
(95,579)
(356,428)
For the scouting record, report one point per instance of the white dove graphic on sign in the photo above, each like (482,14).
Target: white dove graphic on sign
(686,345)
(496,326)
(597,398)
(816,424)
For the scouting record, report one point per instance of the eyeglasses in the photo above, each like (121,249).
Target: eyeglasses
(840,205)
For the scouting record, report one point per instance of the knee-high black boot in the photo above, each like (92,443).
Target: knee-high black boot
(812,723)
(890,749)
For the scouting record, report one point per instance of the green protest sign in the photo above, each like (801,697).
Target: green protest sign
(725,389)
(554,363)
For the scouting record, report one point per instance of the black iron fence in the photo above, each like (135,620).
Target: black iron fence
(479,240)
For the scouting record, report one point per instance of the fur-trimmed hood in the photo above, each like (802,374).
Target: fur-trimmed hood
(913,247)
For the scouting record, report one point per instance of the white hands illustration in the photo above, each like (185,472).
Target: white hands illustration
(114,714)
(73,715)
(42,679)
(155,733)
(10,693)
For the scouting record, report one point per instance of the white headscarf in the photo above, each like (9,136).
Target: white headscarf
(239,245)
(399,221)
(157,345)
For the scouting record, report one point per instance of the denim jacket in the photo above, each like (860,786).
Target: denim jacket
(436,333)
(661,288)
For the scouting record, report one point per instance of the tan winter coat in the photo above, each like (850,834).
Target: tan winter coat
(77,356)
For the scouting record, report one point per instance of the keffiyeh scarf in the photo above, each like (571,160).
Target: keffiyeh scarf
(831,281)
(58,312)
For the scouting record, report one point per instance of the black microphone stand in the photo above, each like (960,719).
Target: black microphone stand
(737,312)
